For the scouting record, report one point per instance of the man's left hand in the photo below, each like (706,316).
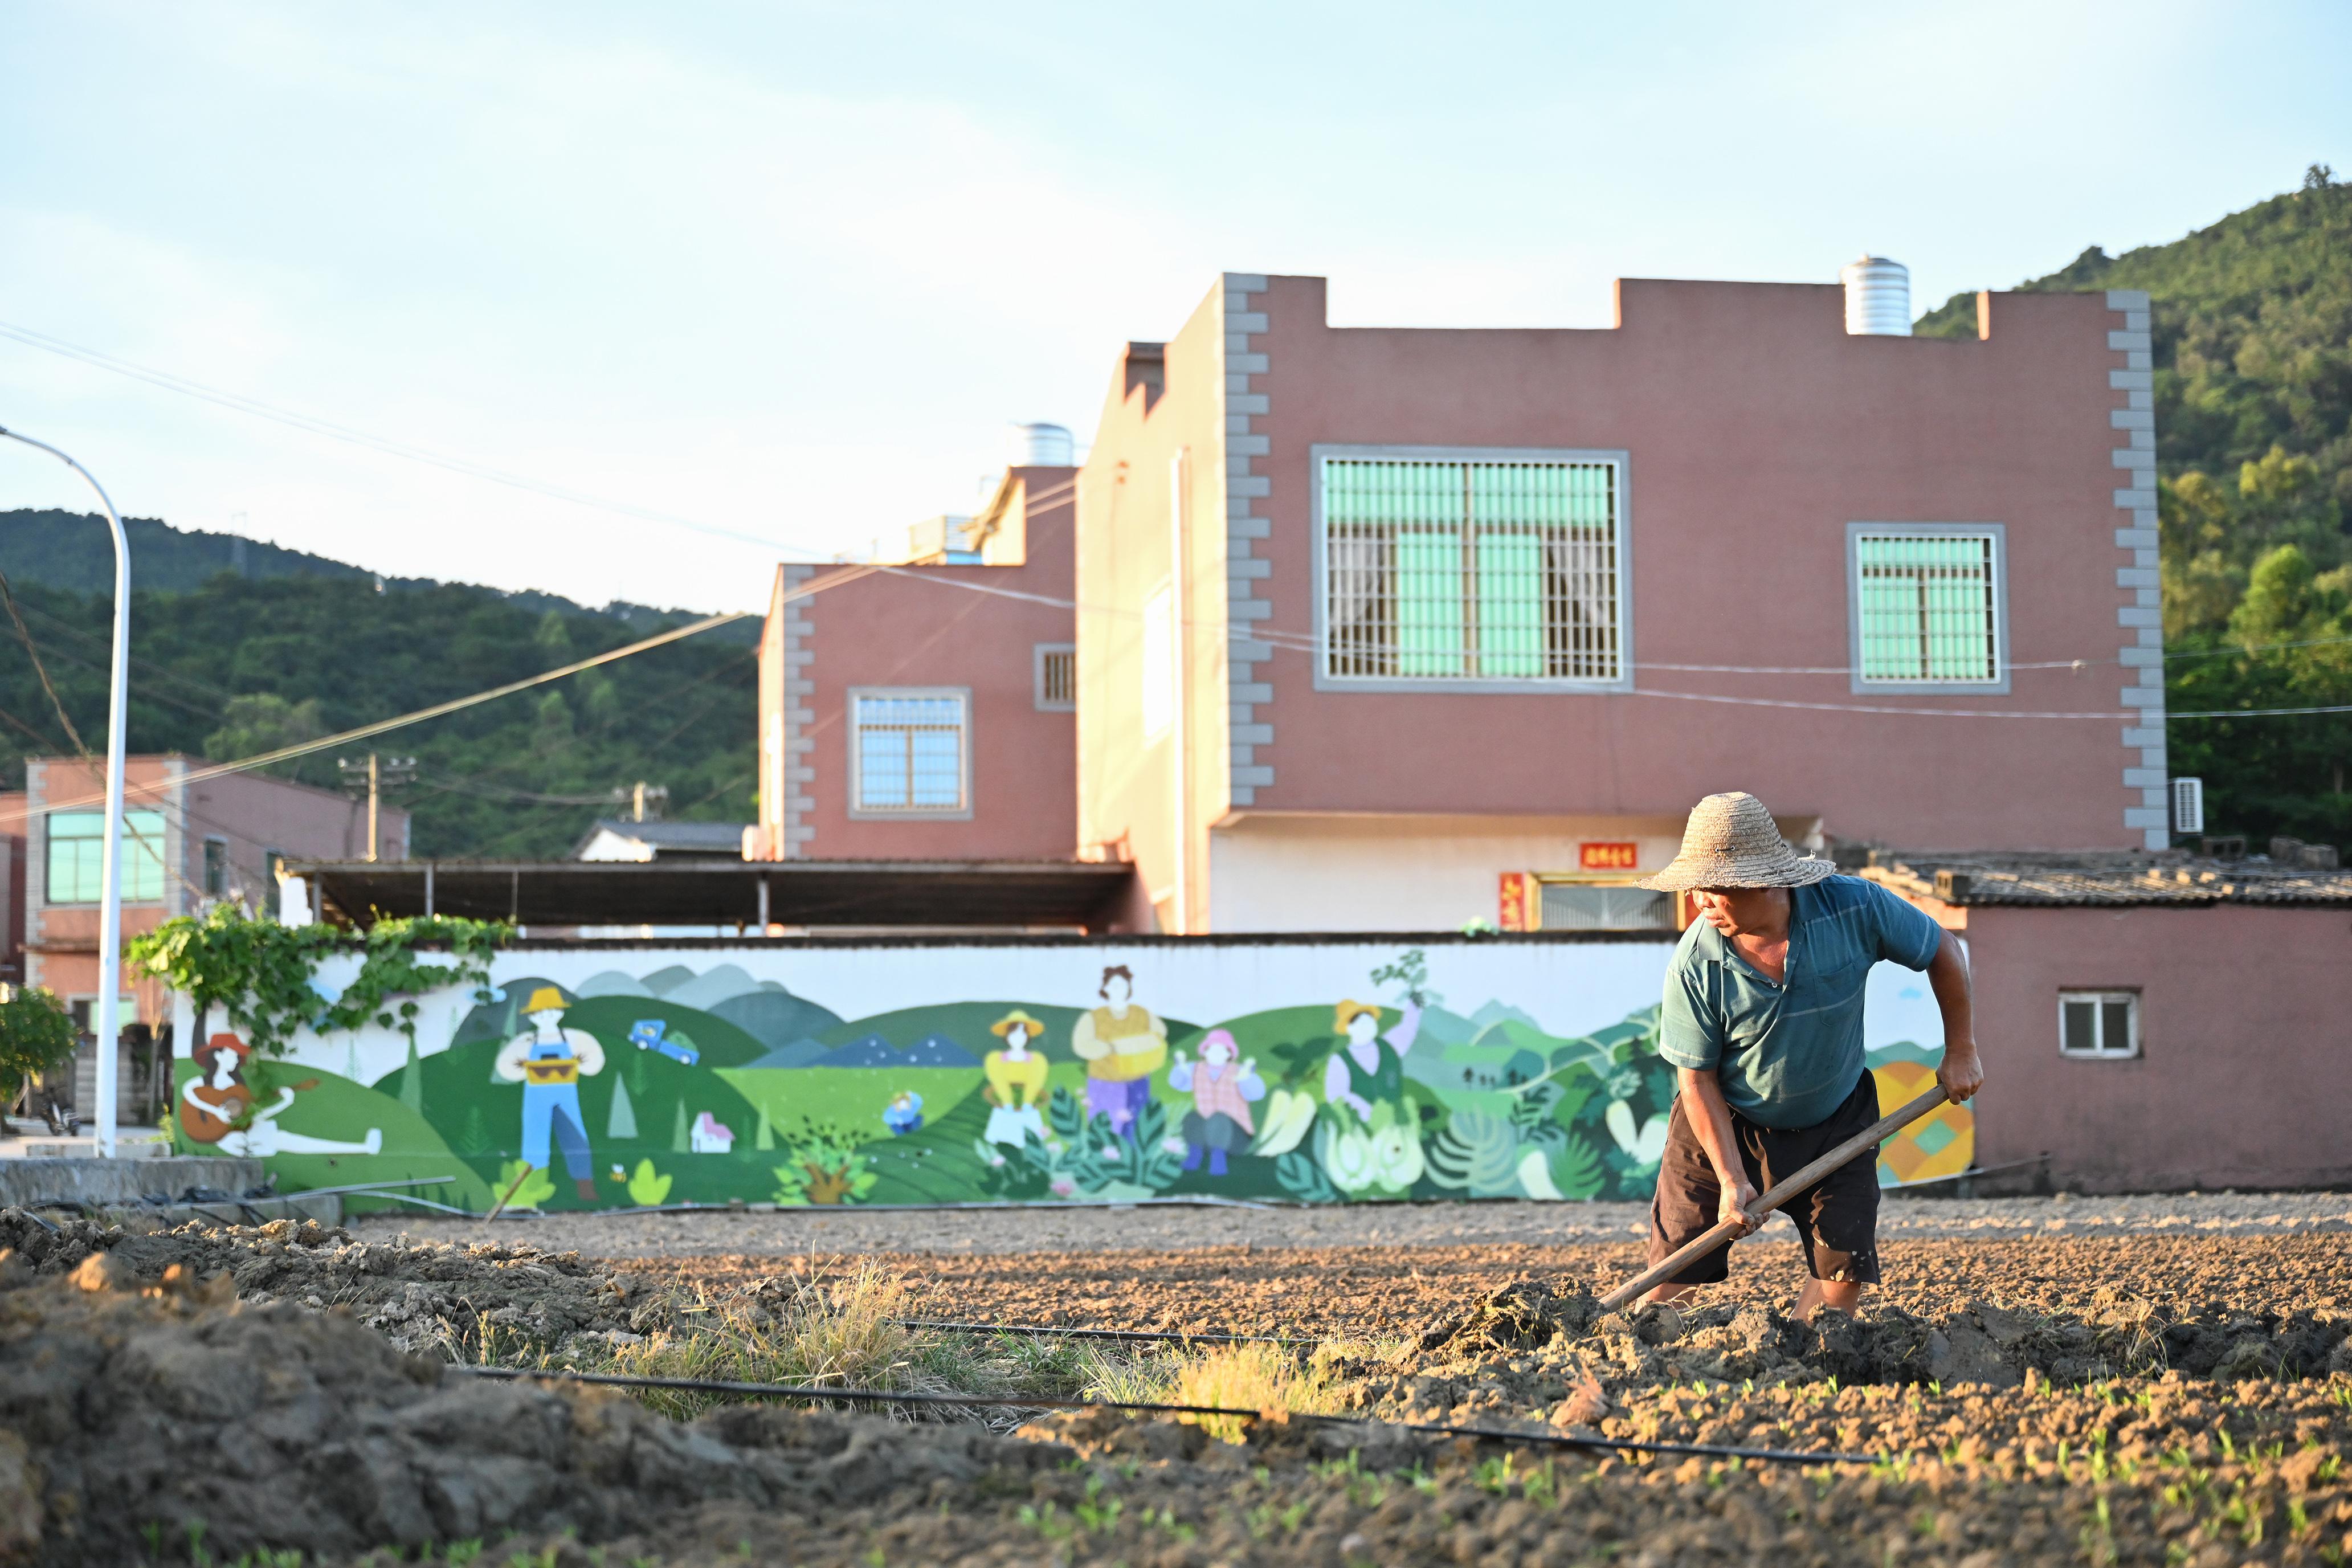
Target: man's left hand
(1962,1074)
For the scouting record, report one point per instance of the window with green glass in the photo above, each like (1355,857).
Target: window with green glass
(1927,608)
(78,857)
(1439,570)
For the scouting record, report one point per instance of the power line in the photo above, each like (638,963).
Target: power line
(345,432)
(286,754)
(39,669)
(1283,640)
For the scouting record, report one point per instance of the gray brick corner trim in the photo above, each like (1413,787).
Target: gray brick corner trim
(1246,404)
(799,635)
(2147,810)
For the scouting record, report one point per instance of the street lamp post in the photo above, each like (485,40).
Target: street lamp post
(109,908)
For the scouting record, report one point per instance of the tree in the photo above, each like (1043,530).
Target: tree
(264,721)
(37,1037)
(412,1080)
(2288,644)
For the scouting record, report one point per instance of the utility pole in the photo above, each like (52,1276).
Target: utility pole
(644,795)
(376,776)
(110,906)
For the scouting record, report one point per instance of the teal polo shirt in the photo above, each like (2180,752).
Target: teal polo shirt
(1789,1052)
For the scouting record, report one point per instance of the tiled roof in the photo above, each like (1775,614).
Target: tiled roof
(1968,880)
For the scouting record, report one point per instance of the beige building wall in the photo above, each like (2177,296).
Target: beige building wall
(1157,647)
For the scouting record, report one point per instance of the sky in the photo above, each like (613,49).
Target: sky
(773,280)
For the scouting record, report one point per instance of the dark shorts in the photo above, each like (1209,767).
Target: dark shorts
(1837,1217)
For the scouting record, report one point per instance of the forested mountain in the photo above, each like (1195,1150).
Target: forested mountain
(71,550)
(2253,324)
(240,666)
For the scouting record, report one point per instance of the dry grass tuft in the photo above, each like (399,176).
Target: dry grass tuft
(827,1332)
(1248,1377)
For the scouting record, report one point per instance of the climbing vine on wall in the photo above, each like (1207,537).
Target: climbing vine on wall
(259,972)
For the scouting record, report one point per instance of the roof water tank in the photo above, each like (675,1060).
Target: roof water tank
(1041,446)
(1877,297)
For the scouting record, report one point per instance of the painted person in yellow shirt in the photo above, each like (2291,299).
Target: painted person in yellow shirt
(1122,1045)
(1017,1082)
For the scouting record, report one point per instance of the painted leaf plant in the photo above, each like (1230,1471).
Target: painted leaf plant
(648,1187)
(524,1186)
(823,1165)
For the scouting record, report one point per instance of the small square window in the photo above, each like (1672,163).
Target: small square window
(2100,1025)
(1056,678)
(910,752)
(1927,607)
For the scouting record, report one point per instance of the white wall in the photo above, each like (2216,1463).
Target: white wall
(1397,873)
(1566,988)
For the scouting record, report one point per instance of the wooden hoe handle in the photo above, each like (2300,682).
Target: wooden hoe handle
(1871,1137)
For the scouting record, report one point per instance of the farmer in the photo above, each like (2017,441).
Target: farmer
(549,1061)
(1762,1022)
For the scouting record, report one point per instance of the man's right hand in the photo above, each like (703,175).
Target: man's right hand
(1737,1196)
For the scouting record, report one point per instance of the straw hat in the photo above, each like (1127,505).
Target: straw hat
(1347,1013)
(1731,841)
(546,999)
(1004,1026)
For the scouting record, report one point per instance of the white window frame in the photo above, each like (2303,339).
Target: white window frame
(863,812)
(1041,656)
(1533,685)
(141,855)
(2099,1000)
(1855,532)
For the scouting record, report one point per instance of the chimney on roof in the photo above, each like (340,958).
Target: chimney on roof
(1146,367)
(1877,297)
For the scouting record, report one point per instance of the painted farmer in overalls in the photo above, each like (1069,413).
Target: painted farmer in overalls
(549,1062)
(1122,1045)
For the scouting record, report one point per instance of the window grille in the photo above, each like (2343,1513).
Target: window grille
(2098,1024)
(1504,569)
(1584,906)
(1057,678)
(1926,607)
(911,752)
(78,857)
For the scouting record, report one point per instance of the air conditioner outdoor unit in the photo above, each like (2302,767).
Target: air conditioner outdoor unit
(2188,805)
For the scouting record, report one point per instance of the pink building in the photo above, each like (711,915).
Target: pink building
(186,845)
(1375,619)
(2151,1026)
(921,707)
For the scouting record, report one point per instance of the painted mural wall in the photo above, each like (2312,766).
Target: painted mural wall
(610,1077)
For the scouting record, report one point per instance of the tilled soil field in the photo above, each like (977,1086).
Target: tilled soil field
(2154,1399)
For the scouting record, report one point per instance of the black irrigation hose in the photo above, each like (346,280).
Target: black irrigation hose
(1048,1331)
(983,1402)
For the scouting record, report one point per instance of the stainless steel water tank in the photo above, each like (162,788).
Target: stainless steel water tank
(1040,447)
(1877,297)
